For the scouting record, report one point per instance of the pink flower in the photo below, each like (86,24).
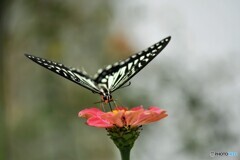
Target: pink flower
(122,117)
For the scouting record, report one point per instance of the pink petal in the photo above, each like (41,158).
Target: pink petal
(98,122)
(115,118)
(155,109)
(131,117)
(137,108)
(149,116)
(89,112)
(121,116)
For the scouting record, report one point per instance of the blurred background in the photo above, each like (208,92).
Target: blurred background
(196,77)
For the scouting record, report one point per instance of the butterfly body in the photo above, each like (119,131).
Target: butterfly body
(107,80)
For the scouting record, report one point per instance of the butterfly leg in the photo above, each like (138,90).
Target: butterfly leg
(103,108)
(114,101)
(109,103)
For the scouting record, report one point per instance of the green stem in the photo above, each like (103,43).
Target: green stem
(125,153)
(124,138)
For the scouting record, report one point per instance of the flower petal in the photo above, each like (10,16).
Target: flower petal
(90,112)
(115,118)
(131,117)
(155,109)
(148,116)
(137,108)
(98,122)
(122,117)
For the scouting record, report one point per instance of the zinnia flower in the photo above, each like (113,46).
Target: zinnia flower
(122,117)
(123,125)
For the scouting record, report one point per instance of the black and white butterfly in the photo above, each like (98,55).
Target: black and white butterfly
(109,79)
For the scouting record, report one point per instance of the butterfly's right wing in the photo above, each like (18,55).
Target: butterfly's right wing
(71,74)
(116,75)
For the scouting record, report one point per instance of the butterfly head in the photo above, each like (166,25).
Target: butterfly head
(106,98)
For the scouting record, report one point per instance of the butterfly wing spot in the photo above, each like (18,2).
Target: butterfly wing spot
(159,47)
(58,68)
(139,53)
(166,39)
(109,66)
(148,55)
(115,64)
(50,66)
(157,44)
(45,64)
(135,62)
(104,80)
(65,74)
(146,59)
(63,70)
(110,81)
(152,47)
(39,62)
(122,63)
(154,51)
(142,57)
(99,71)
(71,74)
(139,64)
(130,65)
(127,60)
(133,56)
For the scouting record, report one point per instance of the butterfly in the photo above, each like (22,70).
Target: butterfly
(109,79)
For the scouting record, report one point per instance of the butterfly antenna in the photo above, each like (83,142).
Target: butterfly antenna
(97,102)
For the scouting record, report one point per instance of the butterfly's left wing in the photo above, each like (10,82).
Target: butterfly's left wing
(116,75)
(72,74)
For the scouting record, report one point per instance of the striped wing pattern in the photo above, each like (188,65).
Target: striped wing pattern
(113,76)
(72,74)
(116,75)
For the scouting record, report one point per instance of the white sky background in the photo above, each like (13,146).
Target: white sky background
(205,38)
